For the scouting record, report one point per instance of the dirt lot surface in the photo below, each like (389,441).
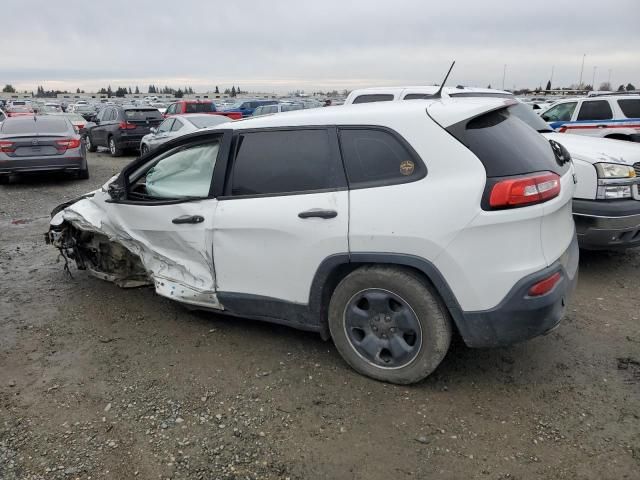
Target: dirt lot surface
(98,382)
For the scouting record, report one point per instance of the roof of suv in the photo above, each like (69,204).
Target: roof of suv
(378,113)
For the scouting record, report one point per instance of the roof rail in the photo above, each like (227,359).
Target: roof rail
(613,94)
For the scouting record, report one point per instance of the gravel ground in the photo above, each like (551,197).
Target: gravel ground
(99,382)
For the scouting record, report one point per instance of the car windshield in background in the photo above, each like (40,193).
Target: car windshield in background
(199,107)
(630,107)
(528,116)
(20,110)
(142,114)
(41,125)
(208,121)
(290,108)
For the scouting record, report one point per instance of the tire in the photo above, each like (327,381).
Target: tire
(89,144)
(388,324)
(84,173)
(114,149)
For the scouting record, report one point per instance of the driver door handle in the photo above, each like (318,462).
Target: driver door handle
(318,214)
(188,219)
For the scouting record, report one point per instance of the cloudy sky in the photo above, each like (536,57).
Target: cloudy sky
(282,45)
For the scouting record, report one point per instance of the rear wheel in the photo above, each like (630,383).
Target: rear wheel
(388,324)
(114,149)
(89,144)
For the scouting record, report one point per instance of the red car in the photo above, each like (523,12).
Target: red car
(198,106)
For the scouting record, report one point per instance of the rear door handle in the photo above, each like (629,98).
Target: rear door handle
(317,213)
(188,219)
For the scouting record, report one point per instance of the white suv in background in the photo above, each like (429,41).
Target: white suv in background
(606,203)
(385,227)
(612,116)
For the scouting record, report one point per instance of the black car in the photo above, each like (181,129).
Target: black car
(120,128)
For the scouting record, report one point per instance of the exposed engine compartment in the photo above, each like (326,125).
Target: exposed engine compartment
(102,257)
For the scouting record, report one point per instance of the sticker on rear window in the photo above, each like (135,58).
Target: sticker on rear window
(407,167)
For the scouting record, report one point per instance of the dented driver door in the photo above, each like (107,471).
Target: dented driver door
(167,220)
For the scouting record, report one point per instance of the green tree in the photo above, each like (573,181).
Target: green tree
(137,90)
(9,89)
(233,91)
(217,90)
(621,88)
(548,85)
(630,87)
(109,91)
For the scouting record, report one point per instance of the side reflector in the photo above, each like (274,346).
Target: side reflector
(525,190)
(545,286)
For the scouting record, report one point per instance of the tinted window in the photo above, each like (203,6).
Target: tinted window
(142,114)
(199,107)
(506,145)
(415,96)
(560,113)
(374,157)
(285,161)
(595,110)
(177,126)
(166,125)
(290,108)
(630,107)
(42,125)
(373,98)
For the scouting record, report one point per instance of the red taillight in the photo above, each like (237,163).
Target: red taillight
(7,147)
(127,126)
(545,286)
(525,190)
(66,143)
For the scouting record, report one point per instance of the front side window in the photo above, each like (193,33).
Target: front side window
(180,173)
(292,161)
(177,125)
(376,157)
(380,97)
(595,110)
(560,113)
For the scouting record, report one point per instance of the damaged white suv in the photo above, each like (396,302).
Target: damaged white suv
(385,227)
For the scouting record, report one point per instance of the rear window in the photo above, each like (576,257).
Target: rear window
(630,107)
(506,145)
(378,97)
(208,120)
(141,114)
(42,125)
(199,107)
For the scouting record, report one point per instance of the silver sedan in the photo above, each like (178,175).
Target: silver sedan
(176,126)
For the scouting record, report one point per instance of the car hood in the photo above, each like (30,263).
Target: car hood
(595,149)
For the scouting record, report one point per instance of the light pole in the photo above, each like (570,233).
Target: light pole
(593,80)
(581,70)
(504,75)
(609,80)
(551,79)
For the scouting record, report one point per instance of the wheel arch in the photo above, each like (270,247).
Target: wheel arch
(619,136)
(336,267)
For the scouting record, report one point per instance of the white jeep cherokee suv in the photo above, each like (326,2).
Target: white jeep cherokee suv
(385,227)
(606,202)
(606,115)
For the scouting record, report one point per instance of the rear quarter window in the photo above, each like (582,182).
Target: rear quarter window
(377,157)
(595,110)
(630,107)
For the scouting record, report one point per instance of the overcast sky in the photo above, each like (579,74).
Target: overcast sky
(281,45)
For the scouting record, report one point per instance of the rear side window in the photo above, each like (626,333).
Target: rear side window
(630,107)
(380,97)
(140,115)
(506,145)
(415,96)
(595,110)
(375,157)
(199,107)
(273,162)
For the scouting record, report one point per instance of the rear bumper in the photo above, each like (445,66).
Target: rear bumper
(612,224)
(35,165)
(519,316)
